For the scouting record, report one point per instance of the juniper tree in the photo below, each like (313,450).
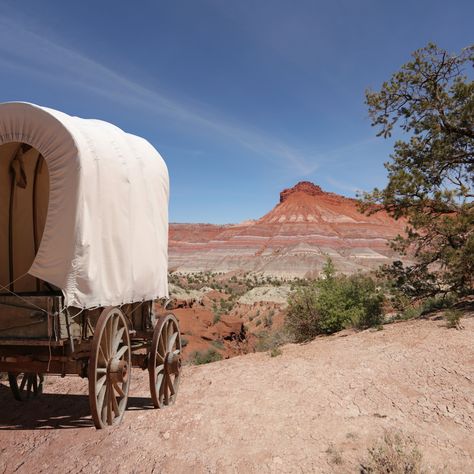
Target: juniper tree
(431,170)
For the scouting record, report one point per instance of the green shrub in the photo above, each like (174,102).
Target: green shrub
(440,302)
(410,312)
(218,344)
(205,357)
(217,318)
(275,352)
(332,303)
(409,308)
(453,319)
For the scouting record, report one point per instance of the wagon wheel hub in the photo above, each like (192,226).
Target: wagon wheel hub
(173,363)
(117,370)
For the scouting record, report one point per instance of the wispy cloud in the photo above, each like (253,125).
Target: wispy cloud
(343,186)
(25,50)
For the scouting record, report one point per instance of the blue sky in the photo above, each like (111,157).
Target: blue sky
(242,98)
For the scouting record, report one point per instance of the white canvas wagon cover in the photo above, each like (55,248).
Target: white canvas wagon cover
(105,238)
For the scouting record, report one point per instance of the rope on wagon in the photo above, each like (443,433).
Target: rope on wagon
(131,312)
(6,288)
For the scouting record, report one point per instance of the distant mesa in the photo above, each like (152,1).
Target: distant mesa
(305,187)
(294,239)
(307,202)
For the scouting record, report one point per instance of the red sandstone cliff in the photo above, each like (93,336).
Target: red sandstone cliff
(293,239)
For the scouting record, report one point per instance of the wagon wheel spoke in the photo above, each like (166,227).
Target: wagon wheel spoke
(164,390)
(162,345)
(103,344)
(118,390)
(106,411)
(100,384)
(109,407)
(23,381)
(41,384)
(117,339)
(121,352)
(172,341)
(159,381)
(103,406)
(114,403)
(109,368)
(169,334)
(171,386)
(101,397)
(28,386)
(25,385)
(113,334)
(110,336)
(102,357)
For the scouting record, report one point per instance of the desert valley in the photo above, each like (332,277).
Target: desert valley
(230,283)
(236,237)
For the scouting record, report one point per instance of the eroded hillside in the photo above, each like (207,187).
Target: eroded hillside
(293,239)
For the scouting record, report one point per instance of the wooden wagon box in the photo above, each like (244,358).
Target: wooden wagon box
(35,317)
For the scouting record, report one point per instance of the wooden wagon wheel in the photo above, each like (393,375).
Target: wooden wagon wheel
(25,385)
(164,361)
(109,368)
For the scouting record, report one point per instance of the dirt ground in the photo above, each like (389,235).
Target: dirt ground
(254,413)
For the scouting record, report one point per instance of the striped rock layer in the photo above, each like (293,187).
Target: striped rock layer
(295,238)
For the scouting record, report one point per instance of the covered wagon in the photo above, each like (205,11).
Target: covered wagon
(83,259)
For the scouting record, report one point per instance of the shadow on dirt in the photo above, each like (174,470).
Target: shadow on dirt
(52,411)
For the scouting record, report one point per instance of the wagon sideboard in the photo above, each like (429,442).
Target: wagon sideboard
(39,334)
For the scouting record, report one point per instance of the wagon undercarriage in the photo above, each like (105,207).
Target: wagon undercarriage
(101,344)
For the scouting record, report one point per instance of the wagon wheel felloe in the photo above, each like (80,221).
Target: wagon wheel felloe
(164,361)
(109,368)
(26,385)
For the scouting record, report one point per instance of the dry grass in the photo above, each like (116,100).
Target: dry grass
(395,454)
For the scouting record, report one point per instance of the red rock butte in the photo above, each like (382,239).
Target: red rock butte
(305,187)
(295,238)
